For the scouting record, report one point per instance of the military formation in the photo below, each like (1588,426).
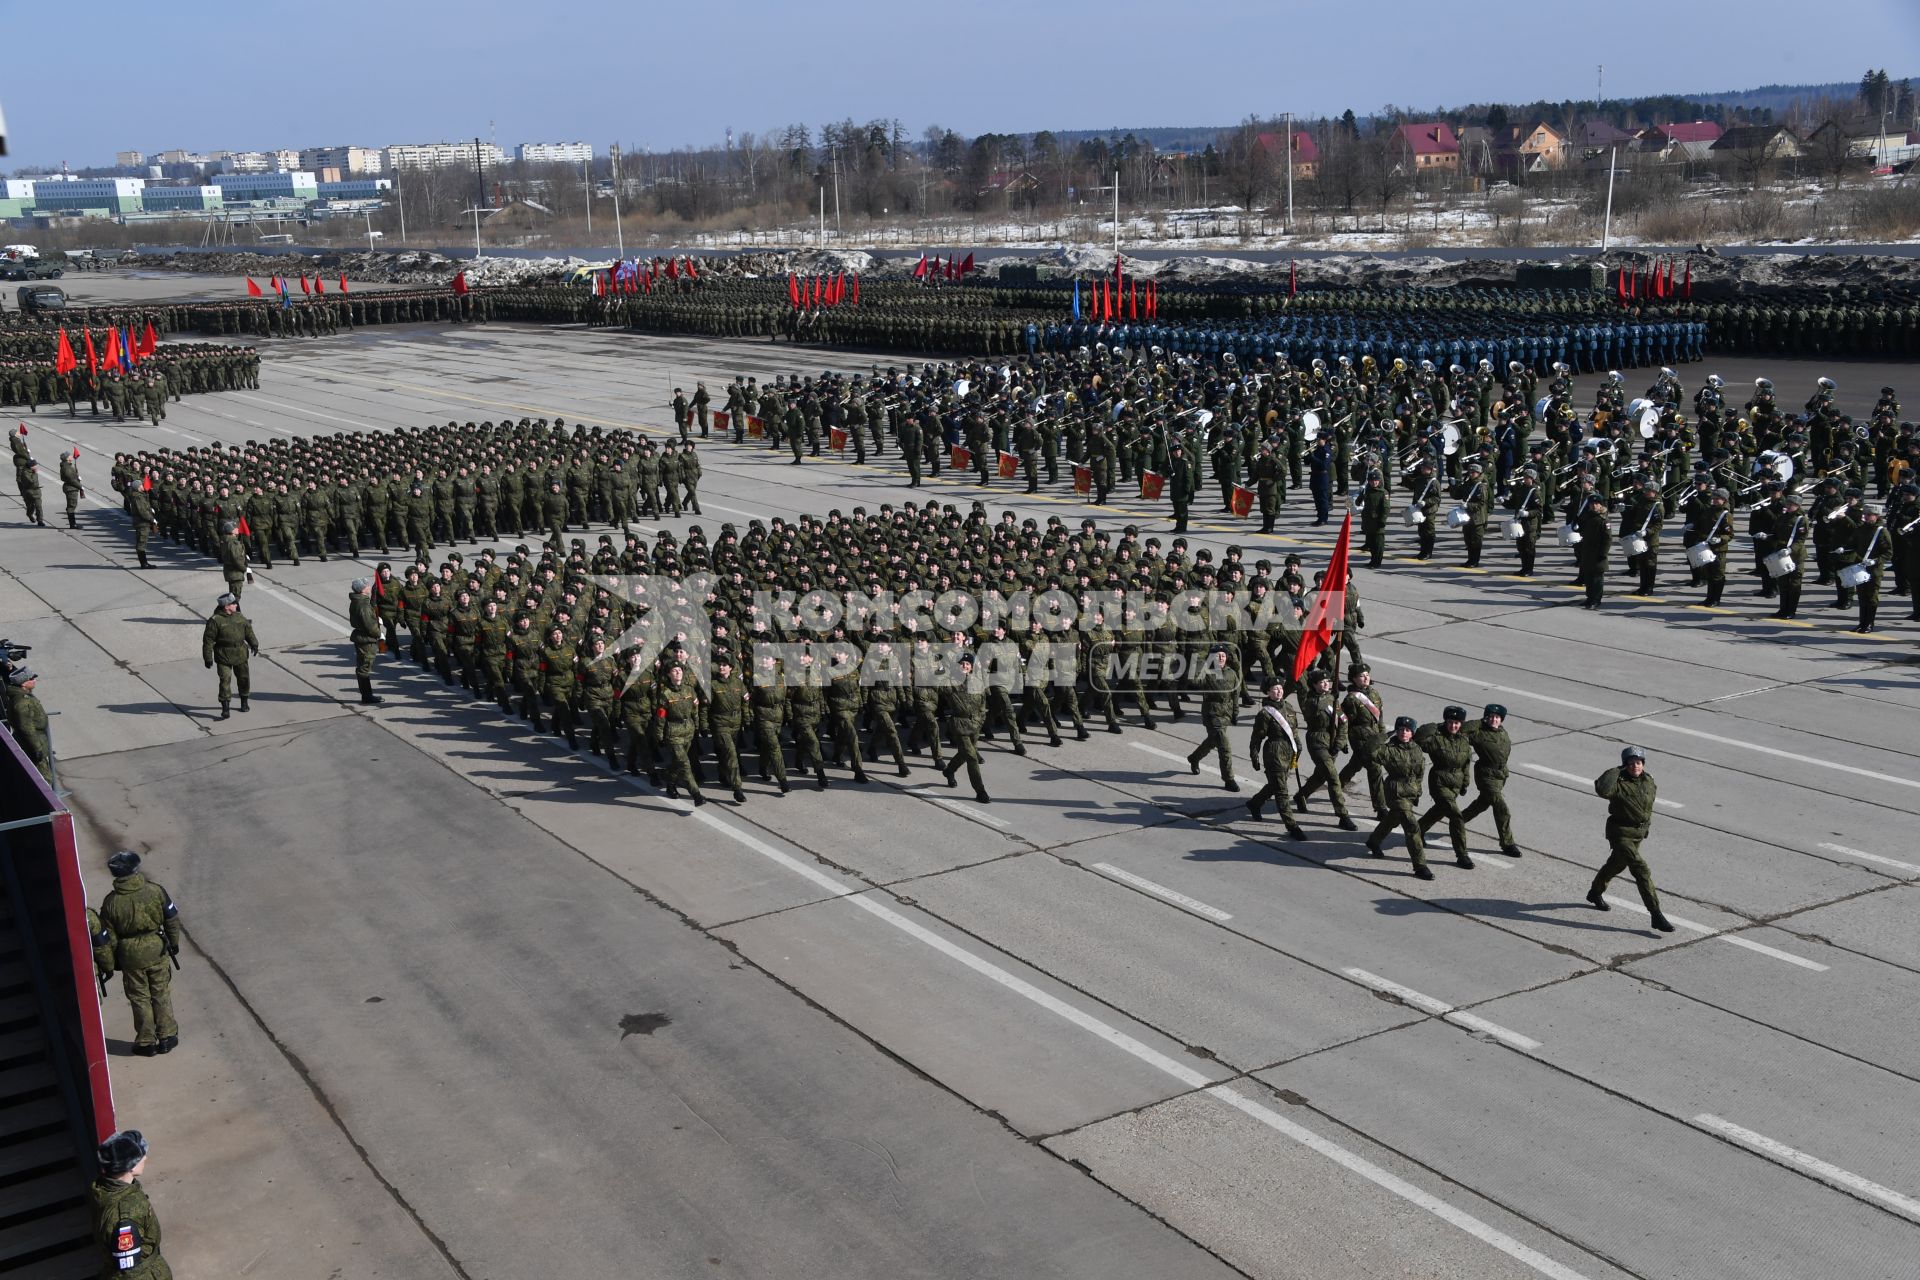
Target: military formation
(140,391)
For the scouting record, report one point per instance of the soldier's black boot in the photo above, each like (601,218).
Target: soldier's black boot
(1293,828)
(1595,900)
(1511,850)
(367,696)
(820,776)
(1300,803)
(225,713)
(243,704)
(1660,923)
(143,561)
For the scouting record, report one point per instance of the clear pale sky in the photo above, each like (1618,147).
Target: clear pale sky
(215,74)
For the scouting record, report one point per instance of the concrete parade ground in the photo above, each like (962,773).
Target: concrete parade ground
(458,1001)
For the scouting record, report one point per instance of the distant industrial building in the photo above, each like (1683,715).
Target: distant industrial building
(354,189)
(350,161)
(74,195)
(165,199)
(441,155)
(129,159)
(554,153)
(285,185)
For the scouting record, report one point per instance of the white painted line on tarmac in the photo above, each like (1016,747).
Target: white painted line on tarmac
(295,408)
(1180,1071)
(1651,723)
(1373,1173)
(1775,952)
(1161,891)
(734,511)
(1441,1009)
(182,434)
(1846,852)
(1680,922)
(332,624)
(1586,782)
(1207,764)
(1833,1174)
(964,810)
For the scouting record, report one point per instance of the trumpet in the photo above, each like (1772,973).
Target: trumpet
(1836,513)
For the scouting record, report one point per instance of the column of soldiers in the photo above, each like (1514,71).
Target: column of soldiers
(329,313)
(141,391)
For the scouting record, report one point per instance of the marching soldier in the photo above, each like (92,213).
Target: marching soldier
(1365,713)
(1326,739)
(1447,747)
(1217,705)
(365,635)
(1629,792)
(1274,749)
(1492,748)
(1404,764)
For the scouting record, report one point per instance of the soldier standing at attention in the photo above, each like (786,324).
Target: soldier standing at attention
(228,641)
(1629,792)
(70,485)
(29,720)
(1275,746)
(1404,763)
(365,617)
(123,1218)
(146,936)
(1491,750)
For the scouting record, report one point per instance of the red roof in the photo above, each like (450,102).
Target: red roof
(1689,131)
(1305,149)
(1430,139)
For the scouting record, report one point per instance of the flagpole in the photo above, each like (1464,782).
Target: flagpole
(1606,226)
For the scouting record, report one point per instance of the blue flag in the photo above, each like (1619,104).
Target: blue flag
(126,350)
(1076,299)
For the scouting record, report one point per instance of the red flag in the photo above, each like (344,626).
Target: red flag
(1293,277)
(953,267)
(63,361)
(1669,277)
(304,288)
(273,283)
(149,341)
(673,269)
(1686,286)
(319,285)
(132,345)
(1329,605)
(839,288)
(343,282)
(691,273)
(243,529)
(1620,285)
(93,361)
(967,266)
(146,483)
(112,356)
(856,289)
(460,282)
(793,289)
(1153,299)
(920,272)
(253,290)
(1133,299)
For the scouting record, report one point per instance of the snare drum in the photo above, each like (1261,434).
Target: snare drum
(1700,555)
(1569,536)
(1515,529)
(1635,544)
(1416,516)
(1459,518)
(1855,575)
(1780,563)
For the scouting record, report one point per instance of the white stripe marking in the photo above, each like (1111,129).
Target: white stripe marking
(1862,854)
(1587,782)
(1785,1154)
(1207,764)
(735,510)
(1441,1009)
(1738,941)
(1656,724)
(1161,891)
(1775,952)
(182,434)
(1180,1071)
(295,408)
(965,810)
(332,624)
